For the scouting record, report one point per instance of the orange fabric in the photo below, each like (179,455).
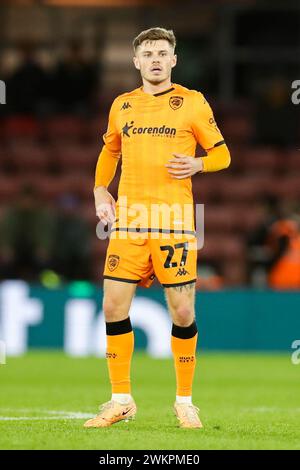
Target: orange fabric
(119,352)
(138,259)
(286,272)
(106,168)
(184,353)
(146,130)
(217,159)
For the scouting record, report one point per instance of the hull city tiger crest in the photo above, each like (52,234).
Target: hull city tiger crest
(112,262)
(175,102)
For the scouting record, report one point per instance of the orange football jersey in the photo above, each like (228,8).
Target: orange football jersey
(145,130)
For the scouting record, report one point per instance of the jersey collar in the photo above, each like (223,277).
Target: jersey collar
(158,94)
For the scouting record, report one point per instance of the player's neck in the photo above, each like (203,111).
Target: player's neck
(152,89)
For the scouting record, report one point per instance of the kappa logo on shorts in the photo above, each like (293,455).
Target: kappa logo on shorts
(182,272)
(175,102)
(113,262)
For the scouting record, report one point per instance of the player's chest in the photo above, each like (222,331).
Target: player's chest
(148,120)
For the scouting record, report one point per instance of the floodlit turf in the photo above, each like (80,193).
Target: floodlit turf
(246,401)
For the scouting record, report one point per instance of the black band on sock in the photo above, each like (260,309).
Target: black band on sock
(118,327)
(185,332)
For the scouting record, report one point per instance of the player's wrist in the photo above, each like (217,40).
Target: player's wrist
(200,165)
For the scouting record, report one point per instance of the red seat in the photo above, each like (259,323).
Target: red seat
(291,161)
(29,158)
(15,127)
(63,128)
(9,188)
(238,128)
(260,160)
(246,188)
(287,187)
(82,158)
(222,246)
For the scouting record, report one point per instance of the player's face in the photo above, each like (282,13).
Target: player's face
(155,60)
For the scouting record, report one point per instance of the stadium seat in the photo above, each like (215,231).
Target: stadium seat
(291,161)
(260,160)
(243,188)
(64,128)
(29,158)
(9,188)
(287,187)
(237,128)
(219,247)
(16,127)
(82,158)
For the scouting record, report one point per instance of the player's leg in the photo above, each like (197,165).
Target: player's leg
(126,263)
(119,336)
(181,301)
(119,349)
(175,264)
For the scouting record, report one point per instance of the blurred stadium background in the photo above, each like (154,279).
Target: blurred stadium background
(63,62)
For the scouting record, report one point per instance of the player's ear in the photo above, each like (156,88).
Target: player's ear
(136,62)
(174,60)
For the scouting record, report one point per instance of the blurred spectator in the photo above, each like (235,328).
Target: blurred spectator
(27,86)
(75,81)
(274,247)
(284,244)
(258,253)
(26,237)
(209,278)
(72,240)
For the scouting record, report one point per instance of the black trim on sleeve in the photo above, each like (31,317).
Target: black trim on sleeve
(118,327)
(184,332)
(219,143)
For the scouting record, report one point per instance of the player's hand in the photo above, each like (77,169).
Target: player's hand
(183,166)
(105,205)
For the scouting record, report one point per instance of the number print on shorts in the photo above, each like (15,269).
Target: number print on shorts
(173,264)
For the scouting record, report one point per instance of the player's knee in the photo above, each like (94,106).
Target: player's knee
(183,315)
(113,310)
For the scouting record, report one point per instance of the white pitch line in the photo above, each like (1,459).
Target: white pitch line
(57,416)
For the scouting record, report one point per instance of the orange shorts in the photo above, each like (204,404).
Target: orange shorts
(139,258)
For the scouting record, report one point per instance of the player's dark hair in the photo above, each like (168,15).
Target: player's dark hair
(154,34)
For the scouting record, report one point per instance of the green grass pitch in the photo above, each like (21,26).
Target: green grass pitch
(247,401)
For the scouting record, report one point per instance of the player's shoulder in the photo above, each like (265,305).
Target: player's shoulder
(127,95)
(190,93)
(123,100)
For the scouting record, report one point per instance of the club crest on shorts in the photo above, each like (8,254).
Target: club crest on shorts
(113,262)
(175,102)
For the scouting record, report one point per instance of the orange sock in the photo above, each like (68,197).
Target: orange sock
(119,349)
(183,344)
